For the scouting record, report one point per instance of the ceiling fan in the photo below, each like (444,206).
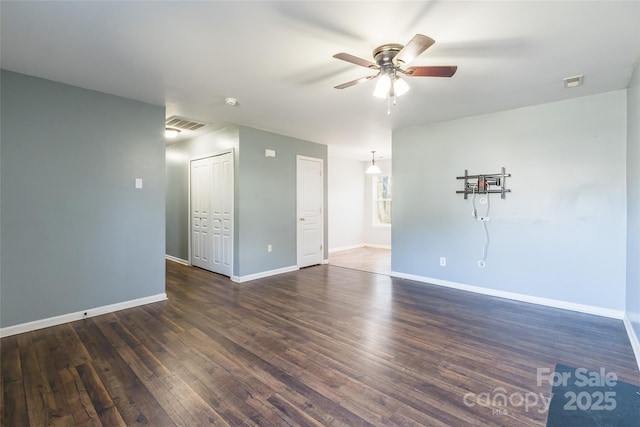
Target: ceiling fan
(389,60)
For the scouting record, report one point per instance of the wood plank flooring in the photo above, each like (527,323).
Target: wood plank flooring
(323,346)
(373,260)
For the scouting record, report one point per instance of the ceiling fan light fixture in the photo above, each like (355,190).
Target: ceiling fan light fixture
(382,87)
(400,86)
(373,168)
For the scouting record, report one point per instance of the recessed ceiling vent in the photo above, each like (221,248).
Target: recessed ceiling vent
(574,81)
(184,124)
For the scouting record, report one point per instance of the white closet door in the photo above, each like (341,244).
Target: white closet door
(201,236)
(222,213)
(212,213)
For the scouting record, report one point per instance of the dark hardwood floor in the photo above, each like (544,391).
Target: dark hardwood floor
(322,346)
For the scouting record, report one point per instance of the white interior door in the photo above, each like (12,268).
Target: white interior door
(222,214)
(212,213)
(201,237)
(310,200)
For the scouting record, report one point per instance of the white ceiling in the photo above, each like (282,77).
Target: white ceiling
(276,58)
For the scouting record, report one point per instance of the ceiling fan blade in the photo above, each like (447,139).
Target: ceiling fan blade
(433,71)
(418,44)
(354,82)
(355,60)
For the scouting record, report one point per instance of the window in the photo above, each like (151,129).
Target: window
(382,200)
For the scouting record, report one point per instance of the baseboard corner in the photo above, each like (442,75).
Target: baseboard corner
(376,246)
(263,274)
(176,259)
(633,338)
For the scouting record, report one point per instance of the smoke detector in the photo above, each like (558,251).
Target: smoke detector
(232,102)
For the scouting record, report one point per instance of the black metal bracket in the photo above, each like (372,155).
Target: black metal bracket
(482,184)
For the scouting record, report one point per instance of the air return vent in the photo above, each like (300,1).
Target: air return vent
(574,81)
(184,124)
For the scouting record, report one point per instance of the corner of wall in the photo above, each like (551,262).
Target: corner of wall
(632,303)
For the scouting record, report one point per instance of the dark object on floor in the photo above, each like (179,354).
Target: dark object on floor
(584,398)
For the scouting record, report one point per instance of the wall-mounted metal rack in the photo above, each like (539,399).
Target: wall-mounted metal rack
(482,184)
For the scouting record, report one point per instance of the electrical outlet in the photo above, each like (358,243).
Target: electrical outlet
(443,262)
(269,248)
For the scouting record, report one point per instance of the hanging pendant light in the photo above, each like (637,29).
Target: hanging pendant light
(373,169)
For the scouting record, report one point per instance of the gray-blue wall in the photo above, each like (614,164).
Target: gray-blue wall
(633,202)
(264,200)
(75,233)
(561,232)
(267,199)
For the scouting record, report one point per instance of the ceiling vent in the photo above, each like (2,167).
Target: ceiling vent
(184,124)
(574,81)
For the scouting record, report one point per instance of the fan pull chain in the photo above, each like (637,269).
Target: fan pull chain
(389,96)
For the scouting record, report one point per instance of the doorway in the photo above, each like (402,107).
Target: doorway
(211,213)
(310,211)
(366,258)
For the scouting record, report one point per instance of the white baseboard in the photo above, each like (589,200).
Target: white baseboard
(362,245)
(78,315)
(373,245)
(582,308)
(176,259)
(635,342)
(346,248)
(248,277)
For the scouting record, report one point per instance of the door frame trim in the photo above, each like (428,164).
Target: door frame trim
(233,198)
(322,206)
